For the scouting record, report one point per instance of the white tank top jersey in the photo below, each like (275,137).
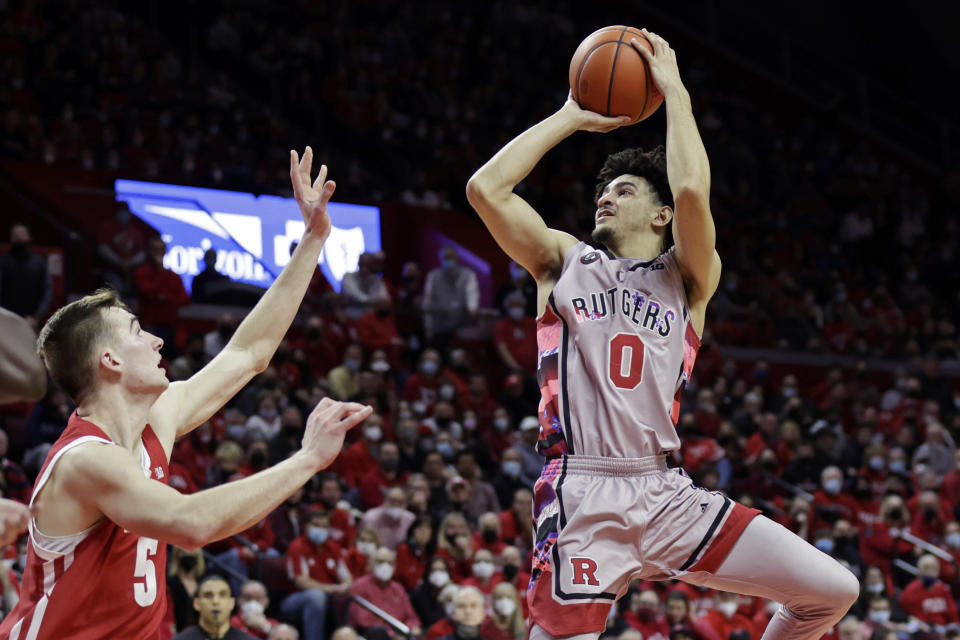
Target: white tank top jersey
(616,347)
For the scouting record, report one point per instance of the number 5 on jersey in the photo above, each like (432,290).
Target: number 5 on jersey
(626,360)
(145,593)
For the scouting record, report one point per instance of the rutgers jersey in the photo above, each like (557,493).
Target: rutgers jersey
(103,582)
(616,346)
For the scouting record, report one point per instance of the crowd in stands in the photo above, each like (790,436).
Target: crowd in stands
(828,247)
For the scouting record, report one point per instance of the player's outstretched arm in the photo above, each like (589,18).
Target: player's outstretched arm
(184,405)
(22,375)
(515,225)
(688,171)
(107,478)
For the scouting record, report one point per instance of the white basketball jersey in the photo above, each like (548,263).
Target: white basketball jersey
(616,346)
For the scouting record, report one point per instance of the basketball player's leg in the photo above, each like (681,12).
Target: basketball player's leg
(539,633)
(770,561)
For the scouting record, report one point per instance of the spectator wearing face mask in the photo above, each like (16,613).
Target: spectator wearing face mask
(455,547)
(363,455)
(265,423)
(423,384)
(830,503)
(515,337)
(488,536)
(950,490)
(479,401)
(251,615)
(344,380)
(451,296)
(483,573)
(880,616)
(505,621)
(951,542)
(725,620)
(391,519)
(379,588)
(426,596)
(358,556)
(643,614)
(877,541)
(930,515)
(510,477)
(375,484)
(414,552)
(531,460)
(927,598)
(483,497)
(316,566)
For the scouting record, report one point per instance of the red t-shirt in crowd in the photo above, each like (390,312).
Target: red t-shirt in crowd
(161,294)
(411,563)
(354,463)
(934,605)
(520,338)
(724,627)
(374,484)
(320,563)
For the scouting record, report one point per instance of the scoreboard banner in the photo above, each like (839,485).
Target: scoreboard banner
(251,234)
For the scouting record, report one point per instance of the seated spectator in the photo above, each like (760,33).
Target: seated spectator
(288,438)
(13,480)
(510,477)
(363,288)
(45,423)
(120,247)
(227,461)
(378,480)
(184,571)
(418,494)
(643,614)
(161,294)
(454,546)
(488,535)
(483,497)
(214,341)
(361,456)
(483,573)
(320,354)
(927,598)
(391,520)
(265,423)
(379,588)
(514,571)
(877,541)
(286,632)
(377,330)
(422,385)
(531,460)
(514,337)
(288,520)
(725,620)
(849,629)
(358,556)
(26,287)
(879,617)
(316,566)
(412,554)
(342,528)
(192,360)
(214,604)
(506,619)
(931,513)
(426,596)
(677,612)
(251,616)
(468,614)
(830,503)
(515,521)
(938,449)
(344,380)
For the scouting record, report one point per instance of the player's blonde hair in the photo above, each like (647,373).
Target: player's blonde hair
(69,339)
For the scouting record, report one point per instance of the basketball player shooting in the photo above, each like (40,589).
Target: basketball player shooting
(96,562)
(618,333)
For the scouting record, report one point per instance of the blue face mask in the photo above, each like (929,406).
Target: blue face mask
(825,545)
(927,581)
(449,263)
(317,535)
(898,466)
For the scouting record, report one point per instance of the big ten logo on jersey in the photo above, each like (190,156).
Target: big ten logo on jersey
(636,306)
(584,571)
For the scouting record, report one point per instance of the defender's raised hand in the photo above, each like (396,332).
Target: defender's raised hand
(328,424)
(312,198)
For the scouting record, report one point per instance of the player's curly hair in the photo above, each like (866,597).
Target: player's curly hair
(649,165)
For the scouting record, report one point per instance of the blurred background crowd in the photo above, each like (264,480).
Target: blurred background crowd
(825,392)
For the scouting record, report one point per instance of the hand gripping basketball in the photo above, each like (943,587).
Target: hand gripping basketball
(328,425)
(662,62)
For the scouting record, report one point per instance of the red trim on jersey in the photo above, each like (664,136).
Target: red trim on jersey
(729,533)
(564,619)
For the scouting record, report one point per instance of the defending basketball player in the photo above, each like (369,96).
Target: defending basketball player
(96,562)
(618,333)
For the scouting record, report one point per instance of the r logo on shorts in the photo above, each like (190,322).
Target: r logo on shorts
(584,571)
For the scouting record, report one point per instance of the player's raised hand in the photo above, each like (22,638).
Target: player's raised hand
(662,62)
(312,198)
(591,121)
(327,425)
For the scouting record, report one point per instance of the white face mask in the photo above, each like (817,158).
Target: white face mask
(483,569)
(505,606)
(367,548)
(383,571)
(880,616)
(373,433)
(439,579)
(727,608)
(251,608)
(395,512)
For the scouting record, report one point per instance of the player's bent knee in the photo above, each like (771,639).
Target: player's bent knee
(840,590)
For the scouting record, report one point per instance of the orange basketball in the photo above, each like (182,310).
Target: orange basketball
(609,77)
